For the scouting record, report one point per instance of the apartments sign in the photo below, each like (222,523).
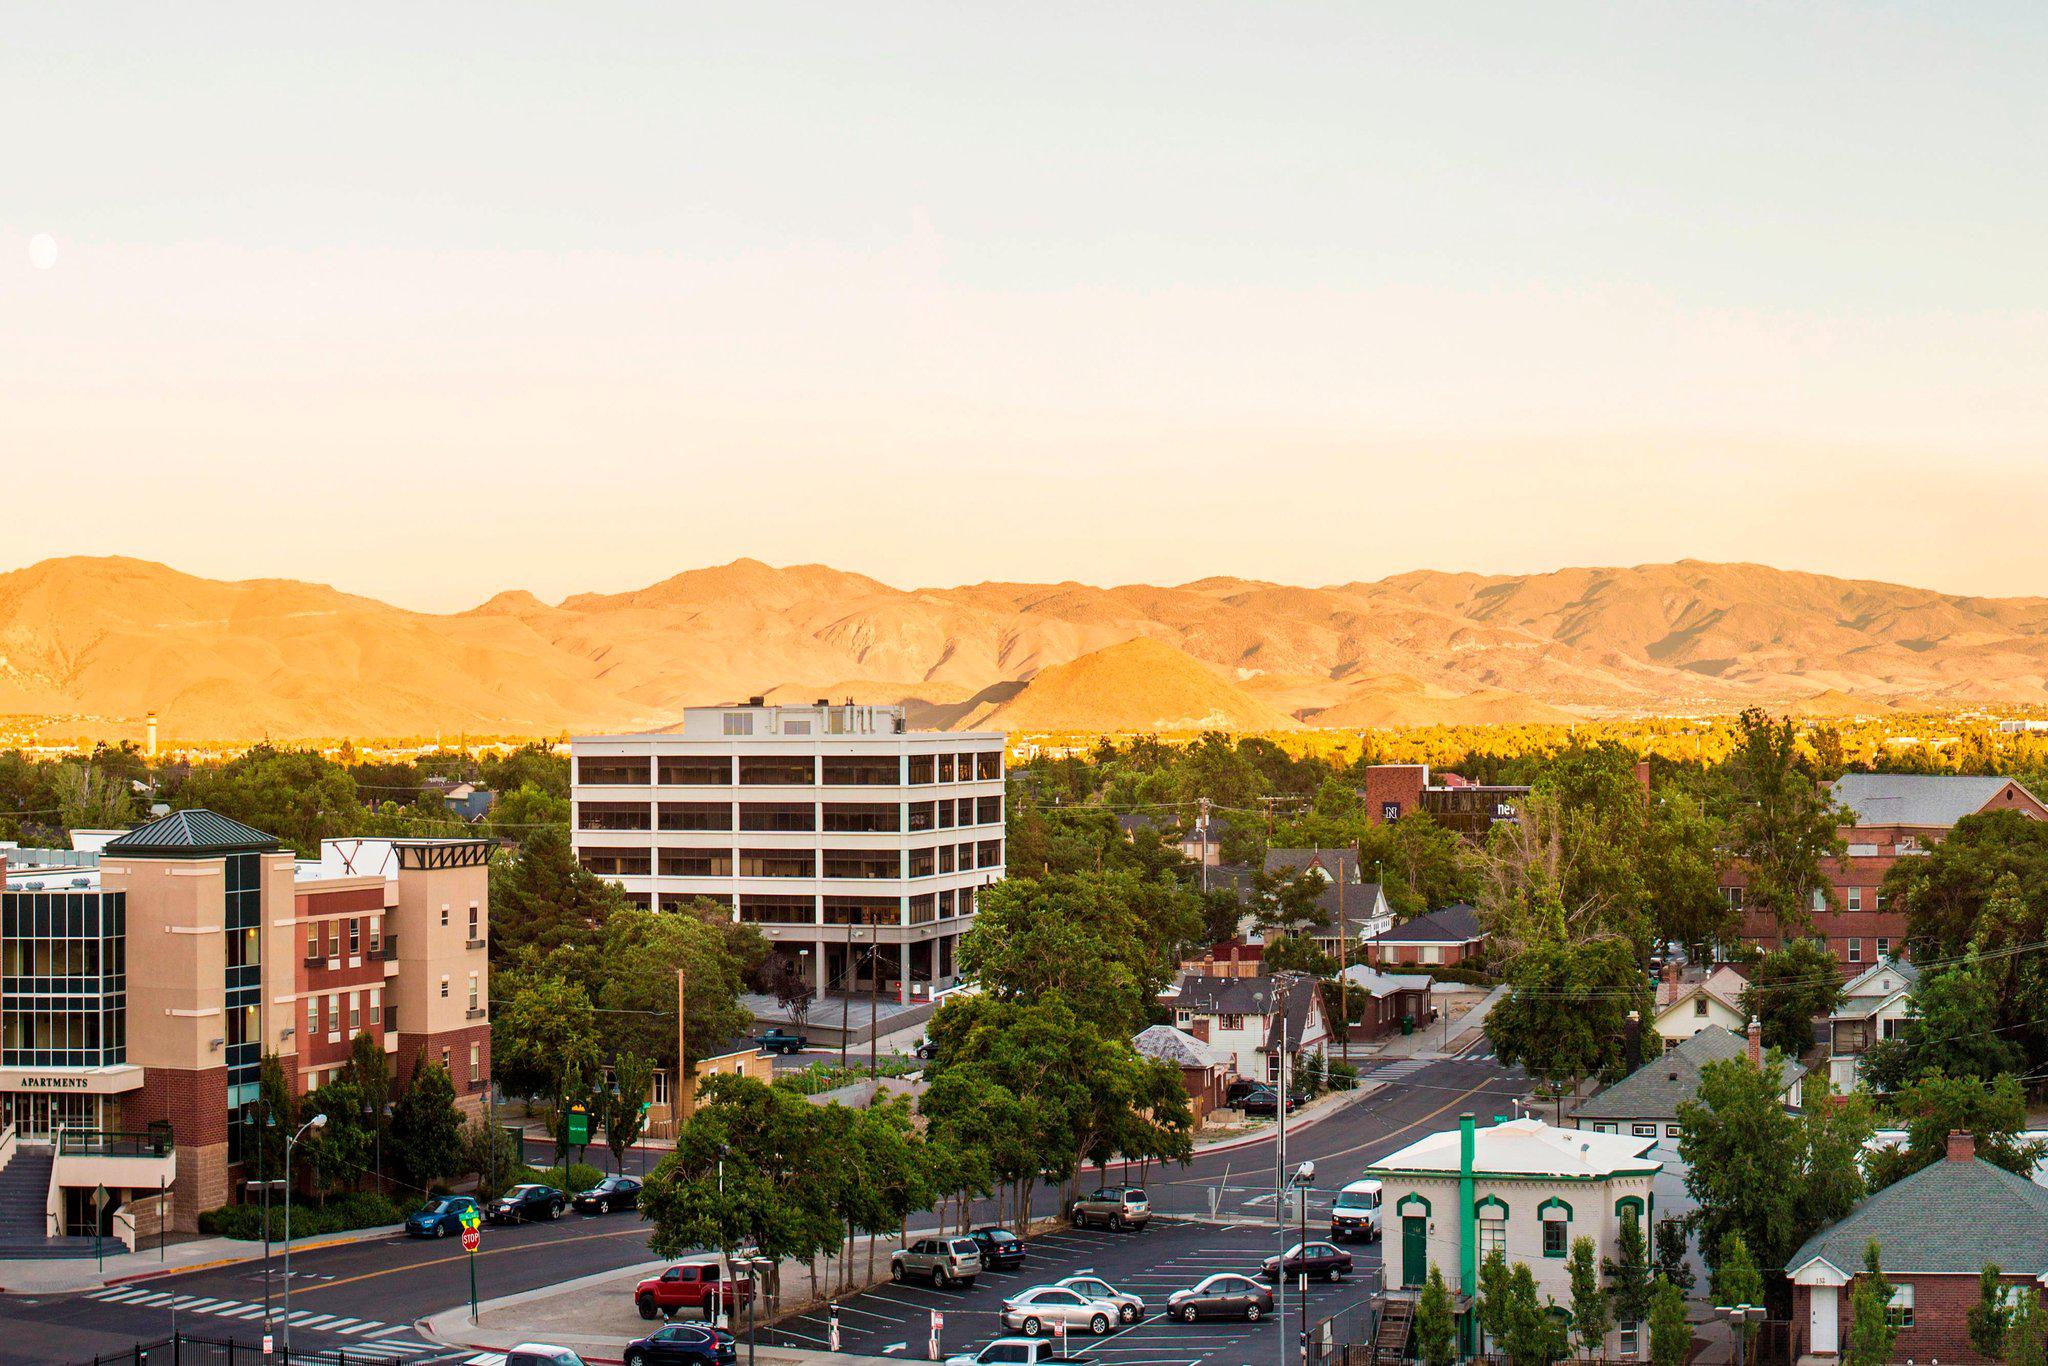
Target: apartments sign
(93,1081)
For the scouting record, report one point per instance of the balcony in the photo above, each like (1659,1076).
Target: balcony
(389,953)
(107,1143)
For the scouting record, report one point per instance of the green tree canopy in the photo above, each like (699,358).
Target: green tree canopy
(1782,827)
(1789,988)
(1933,1106)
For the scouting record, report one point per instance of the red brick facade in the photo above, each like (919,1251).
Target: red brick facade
(196,1104)
(1941,1316)
(1394,790)
(453,1048)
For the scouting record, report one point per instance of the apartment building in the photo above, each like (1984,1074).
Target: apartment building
(1891,816)
(857,846)
(141,985)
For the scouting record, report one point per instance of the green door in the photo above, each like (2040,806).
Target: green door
(1414,1249)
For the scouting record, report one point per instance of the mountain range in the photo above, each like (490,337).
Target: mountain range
(108,640)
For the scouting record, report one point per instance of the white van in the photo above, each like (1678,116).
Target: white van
(1357,1212)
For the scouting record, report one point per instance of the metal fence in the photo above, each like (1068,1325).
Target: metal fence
(182,1348)
(1344,1339)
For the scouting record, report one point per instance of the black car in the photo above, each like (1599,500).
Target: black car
(612,1193)
(1239,1089)
(524,1204)
(1001,1250)
(1321,1261)
(682,1344)
(1264,1100)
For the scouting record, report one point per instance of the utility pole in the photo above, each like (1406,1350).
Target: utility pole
(1202,832)
(874,987)
(675,1108)
(1343,961)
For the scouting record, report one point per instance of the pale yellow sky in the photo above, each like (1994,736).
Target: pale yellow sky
(1309,293)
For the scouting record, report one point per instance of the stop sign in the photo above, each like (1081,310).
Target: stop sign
(470,1238)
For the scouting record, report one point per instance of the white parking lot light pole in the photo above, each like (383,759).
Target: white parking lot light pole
(316,1122)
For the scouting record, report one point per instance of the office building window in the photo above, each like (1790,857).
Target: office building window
(612,770)
(988,811)
(376,1005)
(795,817)
(777,863)
(868,863)
(607,862)
(861,770)
(988,764)
(355,937)
(921,863)
(918,816)
(355,1012)
(476,1063)
(696,863)
(334,1014)
(739,723)
(919,768)
(696,770)
(376,933)
(862,817)
(946,858)
(778,910)
(612,816)
(696,816)
(945,768)
(776,770)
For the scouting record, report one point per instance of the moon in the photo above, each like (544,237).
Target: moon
(42,251)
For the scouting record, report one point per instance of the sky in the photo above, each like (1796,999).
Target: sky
(434,301)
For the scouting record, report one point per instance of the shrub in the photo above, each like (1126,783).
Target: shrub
(338,1215)
(581,1176)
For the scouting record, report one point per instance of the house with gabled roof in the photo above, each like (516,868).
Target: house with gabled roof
(1644,1104)
(1875,1005)
(1205,1070)
(1254,1020)
(1935,1231)
(1446,937)
(1685,1007)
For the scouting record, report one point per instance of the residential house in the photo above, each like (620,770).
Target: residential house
(1381,1000)
(1935,1231)
(1521,1186)
(1644,1104)
(1447,937)
(1254,1020)
(1335,865)
(1684,1008)
(1875,1004)
(736,1058)
(1228,958)
(1890,816)
(1205,1070)
(1352,914)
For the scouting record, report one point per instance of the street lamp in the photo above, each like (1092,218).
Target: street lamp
(316,1122)
(1741,1316)
(265,1182)
(1298,1185)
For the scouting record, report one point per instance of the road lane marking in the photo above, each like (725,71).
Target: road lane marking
(339,1281)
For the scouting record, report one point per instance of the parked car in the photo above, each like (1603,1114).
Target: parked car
(686,1289)
(926,1050)
(523,1204)
(612,1193)
(1264,1101)
(439,1217)
(1129,1308)
(1001,1250)
(1238,1090)
(1323,1261)
(1017,1352)
(682,1344)
(1114,1206)
(1357,1212)
(783,1041)
(1036,1310)
(1222,1296)
(541,1354)
(938,1260)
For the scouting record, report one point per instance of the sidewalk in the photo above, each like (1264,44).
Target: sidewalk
(68,1276)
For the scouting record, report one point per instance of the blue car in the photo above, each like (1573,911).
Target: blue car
(441,1217)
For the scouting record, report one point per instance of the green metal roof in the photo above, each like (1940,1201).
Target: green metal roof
(197,833)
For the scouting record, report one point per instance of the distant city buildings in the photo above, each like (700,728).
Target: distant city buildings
(1392,791)
(858,847)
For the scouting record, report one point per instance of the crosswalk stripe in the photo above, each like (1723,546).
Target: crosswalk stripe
(243,1311)
(313,1322)
(342,1326)
(151,1301)
(121,1296)
(208,1306)
(386,1332)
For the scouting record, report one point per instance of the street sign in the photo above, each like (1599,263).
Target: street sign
(579,1125)
(470,1238)
(472,1217)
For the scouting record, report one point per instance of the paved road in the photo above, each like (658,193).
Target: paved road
(365,1296)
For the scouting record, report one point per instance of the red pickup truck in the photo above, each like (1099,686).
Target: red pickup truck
(687,1289)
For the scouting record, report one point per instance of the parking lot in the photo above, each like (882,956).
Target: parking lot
(895,1320)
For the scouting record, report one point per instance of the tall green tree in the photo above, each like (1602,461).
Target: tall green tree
(1872,1333)
(1782,828)
(1789,988)
(1673,1244)
(623,1105)
(544,1040)
(1630,1277)
(1566,1015)
(1670,1334)
(1592,1314)
(1755,1170)
(1737,1281)
(543,899)
(2026,1332)
(636,986)
(1495,1305)
(1535,1336)
(426,1128)
(1990,1316)
(1947,1032)
(1934,1106)
(1436,1325)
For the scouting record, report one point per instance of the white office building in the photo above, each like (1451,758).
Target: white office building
(846,838)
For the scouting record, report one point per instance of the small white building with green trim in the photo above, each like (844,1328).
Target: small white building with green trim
(1519,1185)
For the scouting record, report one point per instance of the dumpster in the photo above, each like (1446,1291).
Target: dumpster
(1407,1024)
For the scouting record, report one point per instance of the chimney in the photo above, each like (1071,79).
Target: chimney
(1962,1145)
(1756,1044)
(1671,973)
(1643,775)
(1632,1041)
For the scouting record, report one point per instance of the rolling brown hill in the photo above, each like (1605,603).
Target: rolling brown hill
(113,638)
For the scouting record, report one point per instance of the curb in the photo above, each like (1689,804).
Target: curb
(298,1245)
(1342,1100)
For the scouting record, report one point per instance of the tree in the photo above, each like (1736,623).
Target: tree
(1495,1308)
(1536,1335)
(1990,1315)
(1566,1014)
(276,1116)
(624,1105)
(1297,953)
(1592,1315)
(2026,1331)
(1673,1243)
(543,899)
(1629,1274)
(426,1128)
(793,990)
(544,1040)
(1737,1281)
(641,952)
(1935,1106)
(1781,826)
(1755,1170)
(1436,1325)
(338,1152)
(91,798)
(490,1151)
(746,1173)
(1670,1334)
(1871,1331)
(369,1067)
(1789,988)
(295,794)
(1945,1032)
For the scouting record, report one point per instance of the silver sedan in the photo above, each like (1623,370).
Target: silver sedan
(1129,1308)
(1038,1309)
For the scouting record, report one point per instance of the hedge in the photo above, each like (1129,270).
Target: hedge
(342,1213)
(581,1176)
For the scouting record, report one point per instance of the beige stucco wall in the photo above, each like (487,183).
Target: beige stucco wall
(429,950)
(177,959)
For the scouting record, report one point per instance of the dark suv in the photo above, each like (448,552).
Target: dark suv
(1001,1250)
